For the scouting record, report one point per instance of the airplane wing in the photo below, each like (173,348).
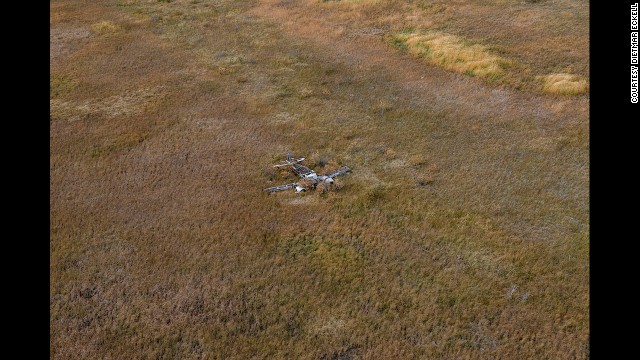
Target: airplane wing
(281,187)
(340,171)
(282,164)
(290,161)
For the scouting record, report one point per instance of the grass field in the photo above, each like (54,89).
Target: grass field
(462,231)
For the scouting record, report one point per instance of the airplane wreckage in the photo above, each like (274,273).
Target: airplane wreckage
(309,178)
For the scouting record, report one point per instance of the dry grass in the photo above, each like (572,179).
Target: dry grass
(453,53)
(163,245)
(129,103)
(565,84)
(351,3)
(105,27)
(515,41)
(417,160)
(390,154)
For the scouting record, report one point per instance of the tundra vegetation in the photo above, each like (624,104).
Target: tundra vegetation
(462,232)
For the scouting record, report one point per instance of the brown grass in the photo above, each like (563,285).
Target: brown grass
(506,42)
(163,244)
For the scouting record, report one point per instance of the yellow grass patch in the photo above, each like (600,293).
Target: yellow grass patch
(417,160)
(452,53)
(390,154)
(105,27)
(566,84)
